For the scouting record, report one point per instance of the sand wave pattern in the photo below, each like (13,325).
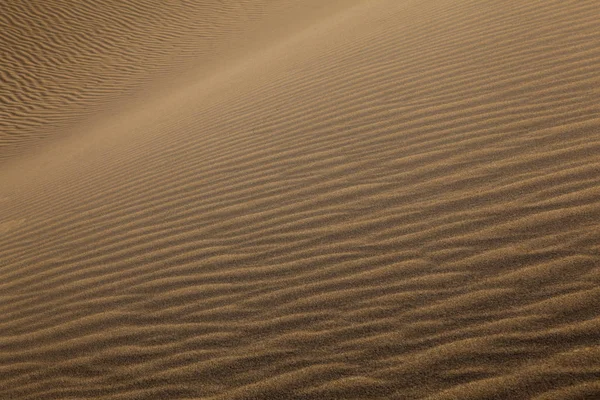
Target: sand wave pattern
(65,60)
(399,200)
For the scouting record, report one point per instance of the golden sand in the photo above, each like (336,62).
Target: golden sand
(366,199)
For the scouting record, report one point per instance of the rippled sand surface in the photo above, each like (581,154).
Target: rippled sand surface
(283,199)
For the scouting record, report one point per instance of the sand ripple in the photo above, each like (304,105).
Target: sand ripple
(399,200)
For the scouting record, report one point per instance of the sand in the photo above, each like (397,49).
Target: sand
(367,199)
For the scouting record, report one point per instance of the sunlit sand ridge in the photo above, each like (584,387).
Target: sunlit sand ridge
(383,200)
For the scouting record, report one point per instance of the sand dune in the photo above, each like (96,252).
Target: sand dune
(63,59)
(374,199)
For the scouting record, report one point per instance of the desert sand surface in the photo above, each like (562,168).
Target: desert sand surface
(285,199)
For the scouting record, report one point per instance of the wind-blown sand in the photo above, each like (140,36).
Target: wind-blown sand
(368,199)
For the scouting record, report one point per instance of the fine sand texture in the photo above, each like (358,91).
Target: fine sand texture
(286,199)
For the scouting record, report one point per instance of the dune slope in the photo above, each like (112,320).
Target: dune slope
(63,61)
(392,200)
